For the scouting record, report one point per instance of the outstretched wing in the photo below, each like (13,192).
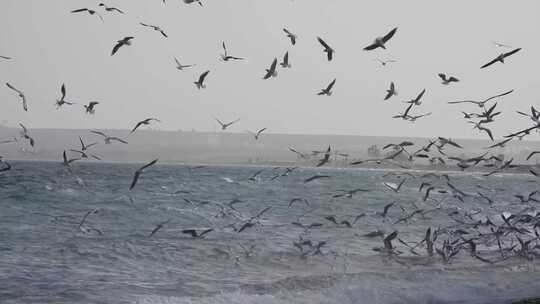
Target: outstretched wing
(512,52)
(390,34)
(203,76)
(489,63)
(331,85)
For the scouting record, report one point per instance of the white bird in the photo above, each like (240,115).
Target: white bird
(24,134)
(224,126)
(258,133)
(89,11)
(155,28)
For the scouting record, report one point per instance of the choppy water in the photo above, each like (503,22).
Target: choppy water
(46,258)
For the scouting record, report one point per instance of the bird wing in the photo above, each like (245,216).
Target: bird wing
(203,76)
(273,65)
(63,90)
(389,35)
(286,58)
(511,52)
(454,79)
(136,126)
(116,48)
(420,95)
(500,95)
(490,63)
(443,76)
(532,153)
(371,47)
(147,25)
(331,85)
(177,62)
(233,122)
(99,133)
(13,88)
(135,179)
(79,10)
(323,43)
(118,139)
(191,232)
(163,33)
(219,121)
(463,101)
(149,164)
(260,131)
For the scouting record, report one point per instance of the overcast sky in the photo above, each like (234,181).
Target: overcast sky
(51,46)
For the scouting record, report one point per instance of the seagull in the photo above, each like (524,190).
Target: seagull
(67,162)
(155,28)
(85,147)
(391,91)
(500,58)
(258,133)
(192,1)
(298,199)
(144,122)
(224,126)
(413,118)
(384,62)
(326,158)
(532,154)
(327,49)
(226,57)
(405,114)
(271,72)
(200,83)
(91,12)
(90,107)
(5,57)
(24,134)
(483,102)
(381,41)
(285,63)
(84,154)
(110,9)
(328,90)
(394,187)
(21,95)
(194,233)
(447,81)
(180,67)
(481,128)
(158,227)
(291,36)
(60,102)
(121,43)
(309,179)
(109,139)
(417,101)
(139,171)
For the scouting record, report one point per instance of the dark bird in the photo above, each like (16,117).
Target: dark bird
(325,159)
(224,126)
(391,91)
(271,72)
(483,102)
(200,83)
(5,57)
(405,114)
(180,66)
(89,11)
(155,28)
(285,63)
(110,8)
(447,81)
(90,107)
(109,139)
(328,90)
(381,41)
(139,172)
(60,102)
(121,43)
(192,1)
(24,134)
(327,49)
(258,133)
(197,233)
(501,58)
(145,122)
(21,95)
(309,179)
(227,57)
(6,167)
(158,227)
(291,36)
(418,100)
(386,208)
(532,153)
(67,162)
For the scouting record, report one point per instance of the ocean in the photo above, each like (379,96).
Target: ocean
(48,256)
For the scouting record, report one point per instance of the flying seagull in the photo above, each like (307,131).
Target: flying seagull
(381,41)
(417,101)
(291,36)
(224,126)
(90,107)
(225,56)
(200,83)
(21,95)
(327,49)
(258,133)
(391,91)
(60,102)
(24,134)
(501,58)
(180,67)
(121,43)
(155,28)
(84,154)
(144,122)
(109,139)
(271,72)
(110,9)
(139,172)
(192,1)
(89,11)
(328,90)
(447,81)
(501,44)
(285,63)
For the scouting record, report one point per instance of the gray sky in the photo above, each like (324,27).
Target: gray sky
(51,46)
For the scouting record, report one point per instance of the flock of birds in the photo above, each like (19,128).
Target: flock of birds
(516,235)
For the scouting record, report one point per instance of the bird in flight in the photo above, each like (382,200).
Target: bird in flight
(144,122)
(381,41)
(447,80)
(285,63)
(200,83)
(501,58)
(21,95)
(196,233)
(110,9)
(158,227)
(224,126)
(67,162)
(391,91)
(108,139)
(121,43)
(501,44)
(258,133)
(155,28)
(384,62)
(180,66)
(417,101)
(326,157)
(60,102)
(483,102)
(192,1)
(139,172)
(85,147)
(327,49)
(24,134)
(291,36)
(90,107)
(225,56)
(328,90)
(5,57)
(271,72)
(89,11)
